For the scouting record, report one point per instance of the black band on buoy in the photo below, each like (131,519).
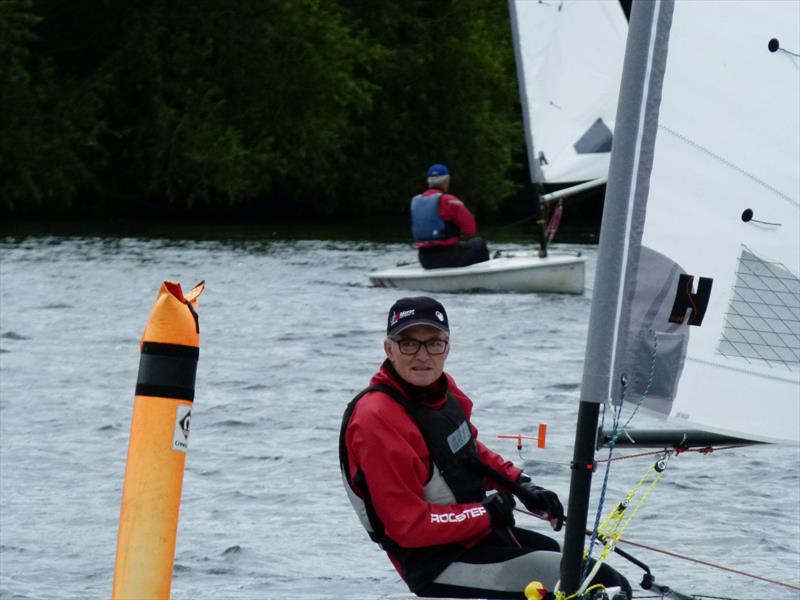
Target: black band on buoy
(167,371)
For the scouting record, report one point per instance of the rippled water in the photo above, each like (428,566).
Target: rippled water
(290,332)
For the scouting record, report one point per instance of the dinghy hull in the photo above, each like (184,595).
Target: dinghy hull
(525,273)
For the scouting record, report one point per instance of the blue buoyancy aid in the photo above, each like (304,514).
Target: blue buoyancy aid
(426,223)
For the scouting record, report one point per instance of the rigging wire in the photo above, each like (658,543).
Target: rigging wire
(614,521)
(692,560)
(611,539)
(619,539)
(676,451)
(616,431)
(700,597)
(791,586)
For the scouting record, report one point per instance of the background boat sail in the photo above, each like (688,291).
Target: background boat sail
(569,62)
(696,306)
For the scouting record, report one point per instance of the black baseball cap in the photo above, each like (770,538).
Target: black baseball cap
(420,310)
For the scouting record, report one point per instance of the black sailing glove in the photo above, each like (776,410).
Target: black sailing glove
(500,507)
(541,501)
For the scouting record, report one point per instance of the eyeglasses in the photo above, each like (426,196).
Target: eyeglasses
(410,346)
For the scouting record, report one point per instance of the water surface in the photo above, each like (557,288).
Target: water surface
(290,332)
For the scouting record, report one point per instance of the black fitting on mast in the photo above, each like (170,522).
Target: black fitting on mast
(584,466)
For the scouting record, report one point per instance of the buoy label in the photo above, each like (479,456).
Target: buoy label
(180,437)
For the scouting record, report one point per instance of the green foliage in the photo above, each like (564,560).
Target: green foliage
(328,107)
(231,102)
(49,127)
(448,93)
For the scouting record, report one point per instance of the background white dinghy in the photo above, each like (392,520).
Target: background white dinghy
(519,272)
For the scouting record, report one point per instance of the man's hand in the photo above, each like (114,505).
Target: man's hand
(500,507)
(541,502)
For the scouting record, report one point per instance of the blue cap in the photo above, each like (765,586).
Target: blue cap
(438,171)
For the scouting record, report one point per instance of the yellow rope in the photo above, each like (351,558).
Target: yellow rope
(614,525)
(561,596)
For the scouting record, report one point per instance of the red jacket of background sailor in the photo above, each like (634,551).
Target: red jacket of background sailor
(451,209)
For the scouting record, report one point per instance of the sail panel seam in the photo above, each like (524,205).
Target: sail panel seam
(721,159)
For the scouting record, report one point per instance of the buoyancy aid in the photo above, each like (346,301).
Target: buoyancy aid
(451,445)
(427,224)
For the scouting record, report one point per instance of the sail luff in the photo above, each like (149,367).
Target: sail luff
(534,168)
(533,163)
(623,216)
(569,58)
(626,197)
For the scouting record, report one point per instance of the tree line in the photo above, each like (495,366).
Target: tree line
(254,109)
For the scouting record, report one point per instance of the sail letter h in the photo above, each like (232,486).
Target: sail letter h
(685,299)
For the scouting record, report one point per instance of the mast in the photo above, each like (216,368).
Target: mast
(537,178)
(620,237)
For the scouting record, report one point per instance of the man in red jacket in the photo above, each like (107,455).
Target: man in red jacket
(416,475)
(443,228)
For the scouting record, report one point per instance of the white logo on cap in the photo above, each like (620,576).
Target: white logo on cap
(407,313)
(440,316)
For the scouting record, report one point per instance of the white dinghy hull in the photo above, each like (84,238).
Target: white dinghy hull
(525,273)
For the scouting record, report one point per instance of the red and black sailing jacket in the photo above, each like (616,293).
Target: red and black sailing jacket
(404,458)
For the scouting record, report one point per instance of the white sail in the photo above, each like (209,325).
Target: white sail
(569,63)
(696,304)
(723,208)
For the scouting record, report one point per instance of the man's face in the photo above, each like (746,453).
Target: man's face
(420,368)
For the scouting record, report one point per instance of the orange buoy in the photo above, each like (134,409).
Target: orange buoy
(151,495)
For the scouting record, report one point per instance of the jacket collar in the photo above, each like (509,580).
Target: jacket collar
(432,395)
